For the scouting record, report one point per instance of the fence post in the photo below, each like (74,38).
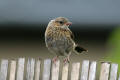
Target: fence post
(92,71)
(113,73)
(4,70)
(20,70)
(52,72)
(75,71)
(37,70)
(46,69)
(12,70)
(55,70)
(85,69)
(30,69)
(119,77)
(65,72)
(104,74)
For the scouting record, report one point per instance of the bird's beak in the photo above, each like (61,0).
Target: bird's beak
(69,23)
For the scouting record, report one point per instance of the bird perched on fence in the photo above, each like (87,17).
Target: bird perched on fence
(59,39)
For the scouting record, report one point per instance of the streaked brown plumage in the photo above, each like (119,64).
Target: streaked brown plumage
(59,38)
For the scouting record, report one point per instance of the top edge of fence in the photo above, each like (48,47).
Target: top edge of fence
(109,62)
(25,58)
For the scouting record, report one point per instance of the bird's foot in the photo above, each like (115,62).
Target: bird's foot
(55,59)
(66,60)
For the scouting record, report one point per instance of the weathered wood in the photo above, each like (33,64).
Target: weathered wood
(30,69)
(92,71)
(104,74)
(4,70)
(55,70)
(113,73)
(65,72)
(20,69)
(75,71)
(37,70)
(85,68)
(52,73)
(12,70)
(46,69)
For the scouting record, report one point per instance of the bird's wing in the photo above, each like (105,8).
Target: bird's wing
(71,34)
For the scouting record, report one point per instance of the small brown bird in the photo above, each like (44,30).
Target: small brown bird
(59,39)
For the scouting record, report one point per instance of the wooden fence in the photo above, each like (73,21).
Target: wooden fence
(15,70)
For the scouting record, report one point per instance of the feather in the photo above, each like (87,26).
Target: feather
(80,49)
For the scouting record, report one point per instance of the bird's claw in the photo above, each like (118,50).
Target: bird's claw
(55,59)
(66,60)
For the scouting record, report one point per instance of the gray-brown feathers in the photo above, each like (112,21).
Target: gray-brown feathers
(59,41)
(59,38)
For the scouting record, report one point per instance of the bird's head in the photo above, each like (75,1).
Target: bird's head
(61,22)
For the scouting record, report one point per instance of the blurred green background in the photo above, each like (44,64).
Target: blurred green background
(114,46)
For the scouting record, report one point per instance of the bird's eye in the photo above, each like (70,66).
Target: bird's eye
(61,22)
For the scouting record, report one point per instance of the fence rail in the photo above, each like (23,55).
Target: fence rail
(15,70)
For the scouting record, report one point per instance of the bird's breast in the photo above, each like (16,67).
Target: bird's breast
(57,33)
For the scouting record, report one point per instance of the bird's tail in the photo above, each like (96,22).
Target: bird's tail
(78,49)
